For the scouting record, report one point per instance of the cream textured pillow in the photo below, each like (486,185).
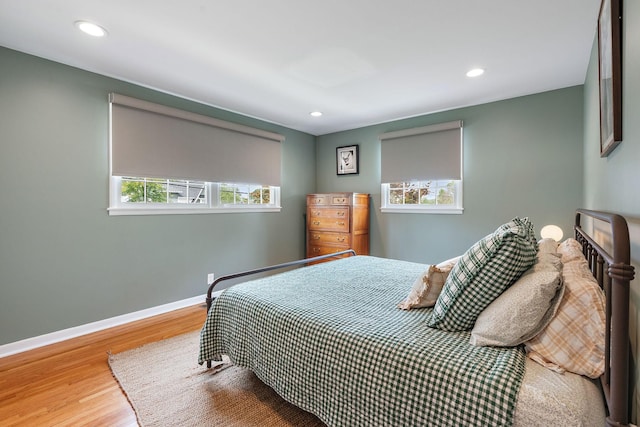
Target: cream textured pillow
(427,287)
(547,262)
(520,312)
(547,246)
(574,339)
(523,310)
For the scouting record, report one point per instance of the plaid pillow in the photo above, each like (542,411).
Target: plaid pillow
(574,340)
(488,268)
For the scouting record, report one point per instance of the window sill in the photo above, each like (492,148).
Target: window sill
(421,210)
(117,211)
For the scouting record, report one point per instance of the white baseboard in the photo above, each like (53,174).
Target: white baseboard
(65,334)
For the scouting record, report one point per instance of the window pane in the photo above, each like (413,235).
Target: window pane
(132,190)
(259,194)
(156,191)
(187,192)
(242,195)
(197,192)
(411,194)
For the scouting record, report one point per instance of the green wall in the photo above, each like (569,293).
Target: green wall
(64,261)
(613,183)
(522,156)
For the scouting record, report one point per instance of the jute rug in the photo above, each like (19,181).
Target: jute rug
(167,387)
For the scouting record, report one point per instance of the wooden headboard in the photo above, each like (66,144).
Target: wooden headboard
(610,263)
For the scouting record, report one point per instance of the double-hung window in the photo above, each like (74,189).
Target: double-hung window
(421,169)
(169,161)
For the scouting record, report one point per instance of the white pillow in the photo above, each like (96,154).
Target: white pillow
(547,246)
(427,287)
(449,263)
(520,312)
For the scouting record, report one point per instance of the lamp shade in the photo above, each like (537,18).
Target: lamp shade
(551,231)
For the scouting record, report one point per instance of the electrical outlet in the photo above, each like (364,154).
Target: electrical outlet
(209,278)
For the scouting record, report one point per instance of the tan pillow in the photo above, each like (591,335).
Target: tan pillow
(574,339)
(427,287)
(570,250)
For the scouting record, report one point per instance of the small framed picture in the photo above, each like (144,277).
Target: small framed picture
(347,160)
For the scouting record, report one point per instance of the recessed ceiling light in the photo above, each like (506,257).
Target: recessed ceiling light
(315,113)
(90,28)
(475,72)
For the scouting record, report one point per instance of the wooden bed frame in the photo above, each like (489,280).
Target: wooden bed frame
(612,269)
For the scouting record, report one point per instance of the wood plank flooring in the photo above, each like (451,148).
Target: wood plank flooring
(70,383)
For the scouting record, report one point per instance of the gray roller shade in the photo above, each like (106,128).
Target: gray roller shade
(425,153)
(155,141)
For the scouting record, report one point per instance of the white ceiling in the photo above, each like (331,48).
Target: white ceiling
(360,62)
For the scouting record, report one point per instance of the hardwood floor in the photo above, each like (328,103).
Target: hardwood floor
(70,383)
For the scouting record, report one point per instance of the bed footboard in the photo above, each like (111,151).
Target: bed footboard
(349,252)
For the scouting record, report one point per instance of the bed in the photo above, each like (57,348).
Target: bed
(359,340)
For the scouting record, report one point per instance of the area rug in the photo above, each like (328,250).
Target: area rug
(166,387)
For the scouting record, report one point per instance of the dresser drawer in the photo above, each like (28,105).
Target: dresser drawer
(339,213)
(317,250)
(339,199)
(321,237)
(318,199)
(328,224)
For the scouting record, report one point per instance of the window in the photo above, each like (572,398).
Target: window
(421,169)
(167,161)
(145,196)
(438,196)
(167,191)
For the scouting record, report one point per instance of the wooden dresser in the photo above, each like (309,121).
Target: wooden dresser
(337,221)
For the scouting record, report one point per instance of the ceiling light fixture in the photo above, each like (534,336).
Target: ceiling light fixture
(90,28)
(475,72)
(315,113)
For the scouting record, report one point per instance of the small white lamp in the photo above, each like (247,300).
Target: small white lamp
(551,231)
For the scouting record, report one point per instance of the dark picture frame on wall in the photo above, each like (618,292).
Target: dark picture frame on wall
(347,160)
(610,74)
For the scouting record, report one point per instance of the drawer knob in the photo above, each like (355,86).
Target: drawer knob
(340,223)
(316,237)
(340,239)
(316,222)
(340,213)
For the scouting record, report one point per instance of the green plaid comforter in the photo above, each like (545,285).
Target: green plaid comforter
(329,339)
